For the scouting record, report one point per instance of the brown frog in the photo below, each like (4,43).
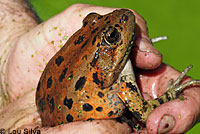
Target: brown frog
(87,79)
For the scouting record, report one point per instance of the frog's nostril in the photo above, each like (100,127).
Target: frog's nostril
(124,17)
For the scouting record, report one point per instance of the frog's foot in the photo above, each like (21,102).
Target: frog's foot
(176,87)
(173,90)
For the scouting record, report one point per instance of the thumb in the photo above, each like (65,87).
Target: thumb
(35,48)
(176,116)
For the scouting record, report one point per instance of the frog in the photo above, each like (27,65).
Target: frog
(89,78)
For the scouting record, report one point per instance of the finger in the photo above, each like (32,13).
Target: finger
(177,111)
(22,111)
(145,56)
(16,20)
(151,81)
(80,127)
(93,127)
(34,49)
(177,116)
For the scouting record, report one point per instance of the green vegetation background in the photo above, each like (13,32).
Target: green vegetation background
(177,19)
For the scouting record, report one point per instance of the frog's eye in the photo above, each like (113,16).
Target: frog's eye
(112,36)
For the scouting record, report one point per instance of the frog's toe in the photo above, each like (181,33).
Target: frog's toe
(176,87)
(182,75)
(187,84)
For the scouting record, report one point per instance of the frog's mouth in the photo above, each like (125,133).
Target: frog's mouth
(128,68)
(130,45)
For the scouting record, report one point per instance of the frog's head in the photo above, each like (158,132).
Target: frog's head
(114,39)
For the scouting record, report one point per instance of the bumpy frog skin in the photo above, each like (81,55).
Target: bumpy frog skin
(86,79)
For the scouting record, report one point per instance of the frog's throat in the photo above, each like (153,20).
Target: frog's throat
(128,71)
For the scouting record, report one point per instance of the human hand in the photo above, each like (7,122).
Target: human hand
(42,42)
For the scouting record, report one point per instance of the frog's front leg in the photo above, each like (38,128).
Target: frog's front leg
(141,108)
(129,93)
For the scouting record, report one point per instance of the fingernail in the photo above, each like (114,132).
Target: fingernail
(167,123)
(145,45)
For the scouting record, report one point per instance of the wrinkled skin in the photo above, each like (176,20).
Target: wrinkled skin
(33,48)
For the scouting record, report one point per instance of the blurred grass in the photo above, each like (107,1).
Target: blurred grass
(179,20)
